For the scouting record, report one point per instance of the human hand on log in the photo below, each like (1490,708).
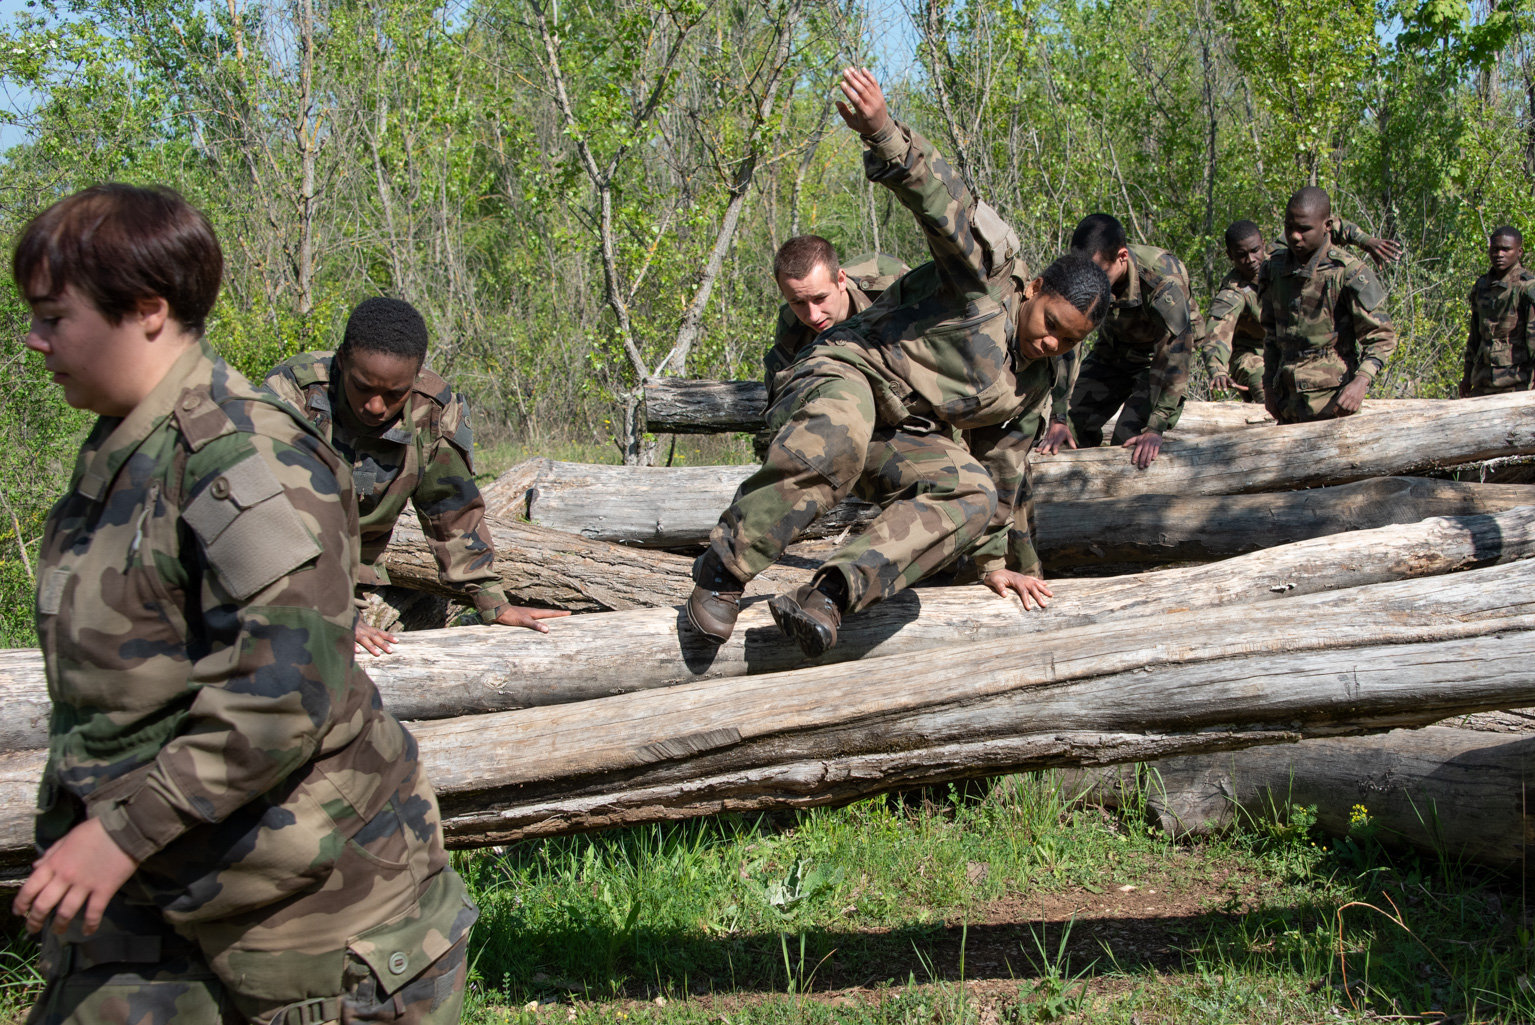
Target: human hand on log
(529,618)
(1223,382)
(83,870)
(1352,395)
(1058,434)
(373,640)
(1021,584)
(1144,448)
(868,113)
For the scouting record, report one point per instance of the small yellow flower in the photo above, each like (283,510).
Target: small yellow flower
(1357,814)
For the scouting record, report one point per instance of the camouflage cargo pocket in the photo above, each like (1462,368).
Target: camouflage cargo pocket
(1318,375)
(1500,353)
(413,968)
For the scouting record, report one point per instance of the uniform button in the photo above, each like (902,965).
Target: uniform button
(220,488)
(190,403)
(398,962)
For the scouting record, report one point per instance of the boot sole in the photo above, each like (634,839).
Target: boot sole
(806,632)
(706,635)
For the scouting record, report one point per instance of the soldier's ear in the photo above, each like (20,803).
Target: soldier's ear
(1032,288)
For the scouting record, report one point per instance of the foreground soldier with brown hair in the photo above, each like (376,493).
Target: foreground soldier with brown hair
(1325,331)
(232,828)
(961,342)
(1498,356)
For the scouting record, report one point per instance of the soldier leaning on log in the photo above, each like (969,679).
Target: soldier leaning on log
(963,341)
(1325,330)
(232,827)
(1232,348)
(1140,360)
(818,292)
(406,435)
(1499,342)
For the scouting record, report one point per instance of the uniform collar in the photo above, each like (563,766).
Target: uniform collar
(858,301)
(1509,280)
(145,418)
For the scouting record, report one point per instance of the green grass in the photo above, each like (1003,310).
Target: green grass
(1002,905)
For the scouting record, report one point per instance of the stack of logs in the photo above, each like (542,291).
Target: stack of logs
(1379,599)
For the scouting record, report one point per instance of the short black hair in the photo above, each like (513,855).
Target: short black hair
(1312,199)
(1507,231)
(391,326)
(118,245)
(1081,282)
(1098,235)
(1241,231)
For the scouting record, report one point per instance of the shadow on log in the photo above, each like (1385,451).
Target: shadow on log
(674,506)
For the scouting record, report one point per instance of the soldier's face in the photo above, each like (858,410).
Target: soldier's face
(1116,268)
(104,367)
(818,299)
(376,384)
(1049,325)
(1304,231)
(1503,252)
(1247,256)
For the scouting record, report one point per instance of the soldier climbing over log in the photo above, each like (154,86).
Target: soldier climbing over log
(407,437)
(964,341)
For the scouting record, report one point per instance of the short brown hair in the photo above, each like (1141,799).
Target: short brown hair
(802,254)
(120,244)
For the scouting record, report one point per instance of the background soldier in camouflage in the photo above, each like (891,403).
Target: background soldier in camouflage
(1232,348)
(233,828)
(1325,330)
(1141,359)
(960,342)
(407,437)
(1498,345)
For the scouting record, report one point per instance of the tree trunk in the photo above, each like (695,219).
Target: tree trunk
(1170,528)
(1448,789)
(673,506)
(470,670)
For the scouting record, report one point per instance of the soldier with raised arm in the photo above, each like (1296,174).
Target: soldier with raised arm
(1139,365)
(1325,331)
(407,436)
(1232,348)
(963,341)
(1498,345)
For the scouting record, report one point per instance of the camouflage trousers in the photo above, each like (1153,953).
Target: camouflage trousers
(936,499)
(1106,386)
(137,970)
(1487,389)
(1247,370)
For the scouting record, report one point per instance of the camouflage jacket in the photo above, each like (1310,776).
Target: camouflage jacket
(195,613)
(1152,324)
(868,275)
(1234,325)
(425,457)
(1498,343)
(938,347)
(1323,322)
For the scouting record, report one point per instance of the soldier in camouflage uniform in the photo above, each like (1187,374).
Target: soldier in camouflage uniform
(406,435)
(1141,359)
(1325,330)
(232,827)
(1499,343)
(1232,348)
(961,342)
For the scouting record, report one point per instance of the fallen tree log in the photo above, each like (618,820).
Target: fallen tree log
(1449,790)
(469,670)
(1372,658)
(1171,528)
(672,506)
(676,405)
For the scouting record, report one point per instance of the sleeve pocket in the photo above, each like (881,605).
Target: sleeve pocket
(250,532)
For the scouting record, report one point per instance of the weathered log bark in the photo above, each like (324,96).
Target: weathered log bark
(1371,658)
(1445,789)
(469,670)
(1169,528)
(693,406)
(672,506)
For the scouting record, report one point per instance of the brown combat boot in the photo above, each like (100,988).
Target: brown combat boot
(715,604)
(810,616)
